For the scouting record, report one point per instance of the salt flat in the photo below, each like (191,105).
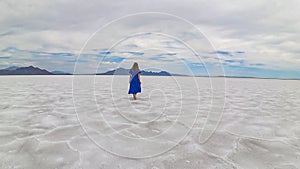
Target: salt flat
(91,122)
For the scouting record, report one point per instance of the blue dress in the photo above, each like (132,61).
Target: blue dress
(135,86)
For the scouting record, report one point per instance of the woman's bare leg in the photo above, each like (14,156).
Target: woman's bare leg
(134,96)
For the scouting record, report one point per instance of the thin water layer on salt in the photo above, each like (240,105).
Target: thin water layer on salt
(260,127)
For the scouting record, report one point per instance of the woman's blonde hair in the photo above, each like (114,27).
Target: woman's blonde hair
(135,67)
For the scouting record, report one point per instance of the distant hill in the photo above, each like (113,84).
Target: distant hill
(30,70)
(150,73)
(123,71)
(57,72)
(118,71)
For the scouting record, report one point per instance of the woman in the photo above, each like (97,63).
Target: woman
(135,80)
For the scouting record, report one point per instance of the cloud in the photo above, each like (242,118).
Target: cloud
(252,34)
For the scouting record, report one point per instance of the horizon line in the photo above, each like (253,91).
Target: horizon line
(171,74)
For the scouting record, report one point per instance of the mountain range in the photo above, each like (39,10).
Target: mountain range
(31,70)
(123,71)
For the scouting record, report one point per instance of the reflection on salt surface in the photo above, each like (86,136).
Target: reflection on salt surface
(260,127)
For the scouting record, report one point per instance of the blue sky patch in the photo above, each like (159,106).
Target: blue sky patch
(105,53)
(113,59)
(4,57)
(135,53)
(223,53)
(167,54)
(79,60)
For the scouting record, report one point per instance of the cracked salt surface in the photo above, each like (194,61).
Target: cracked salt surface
(39,128)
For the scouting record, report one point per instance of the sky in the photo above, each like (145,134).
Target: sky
(256,38)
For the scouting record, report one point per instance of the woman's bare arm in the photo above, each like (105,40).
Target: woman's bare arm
(130,78)
(139,76)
